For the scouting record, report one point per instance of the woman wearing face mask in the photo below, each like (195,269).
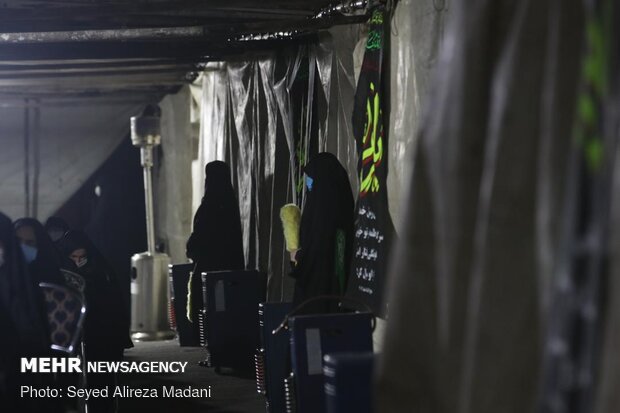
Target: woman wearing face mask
(321,265)
(106,329)
(39,251)
(23,325)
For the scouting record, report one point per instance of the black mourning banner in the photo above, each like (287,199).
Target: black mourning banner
(373,225)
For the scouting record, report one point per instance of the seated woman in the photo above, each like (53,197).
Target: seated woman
(321,265)
(106,329)
(39,251)
(216,243)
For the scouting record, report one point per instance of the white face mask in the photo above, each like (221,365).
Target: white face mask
(82,262)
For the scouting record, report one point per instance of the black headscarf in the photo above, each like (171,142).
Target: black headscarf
(19,297)
(216,242)
(329,208)
(107,327)
(46,266)
(74,240)
(23,323)
(56,224)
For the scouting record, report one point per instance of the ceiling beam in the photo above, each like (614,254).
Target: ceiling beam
(74,36)
(68,70)
(217,34)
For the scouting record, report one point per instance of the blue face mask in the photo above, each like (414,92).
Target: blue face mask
(30,253)
(309,182)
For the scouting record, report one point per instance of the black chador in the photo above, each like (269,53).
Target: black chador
(326,233)
(39,251)
(23,323)
(216,243)
(107,328)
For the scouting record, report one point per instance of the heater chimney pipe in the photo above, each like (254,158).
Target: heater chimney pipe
(146,134)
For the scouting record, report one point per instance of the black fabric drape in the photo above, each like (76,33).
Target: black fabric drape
(374,230)
(328,211)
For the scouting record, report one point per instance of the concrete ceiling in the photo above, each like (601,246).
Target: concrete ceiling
(141,49)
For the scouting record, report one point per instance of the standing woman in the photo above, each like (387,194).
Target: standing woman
(39,251)
(216,243)
(321,264)
(22,322)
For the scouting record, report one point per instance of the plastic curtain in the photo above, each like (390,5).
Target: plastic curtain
(417,30)
(466,293)
(259,152)
(266,117)
(172,176)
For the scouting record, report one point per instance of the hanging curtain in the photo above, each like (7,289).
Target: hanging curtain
(266,117)
(470,277)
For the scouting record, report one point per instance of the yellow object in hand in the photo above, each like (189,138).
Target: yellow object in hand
(290,215)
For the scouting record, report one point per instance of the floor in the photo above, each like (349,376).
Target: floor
(231,392)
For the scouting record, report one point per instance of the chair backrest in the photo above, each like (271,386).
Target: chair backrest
(231,301)
(348,382)
(275,353)
(73,280)
(66,309)
(179,275)
(312,337)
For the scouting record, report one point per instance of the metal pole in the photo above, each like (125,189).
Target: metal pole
(147,163)
(27,158)
(37,160)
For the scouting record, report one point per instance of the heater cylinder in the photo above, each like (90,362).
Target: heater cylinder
(149,297)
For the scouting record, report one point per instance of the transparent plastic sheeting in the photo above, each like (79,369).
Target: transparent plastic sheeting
(172,176)
(470,280)
(417,30)
(260,116)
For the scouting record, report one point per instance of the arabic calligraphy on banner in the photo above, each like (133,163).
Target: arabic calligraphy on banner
(373,225)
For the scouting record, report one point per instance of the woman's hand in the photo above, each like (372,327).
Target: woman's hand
(293,255)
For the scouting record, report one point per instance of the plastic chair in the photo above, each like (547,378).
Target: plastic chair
(66,310)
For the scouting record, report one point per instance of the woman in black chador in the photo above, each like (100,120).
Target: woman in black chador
(23,324)
(56,227)
(321,265)
(106,329)
(216,243)
(39,251)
